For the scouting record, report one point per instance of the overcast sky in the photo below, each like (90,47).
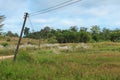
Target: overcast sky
(105,13)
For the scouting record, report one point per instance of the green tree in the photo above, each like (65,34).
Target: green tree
(9,33)
(60,38)
(95,31)
(26,31)
(115,35)
(83,29)
(105,34)
(73,28)
(84,36)
(45,33)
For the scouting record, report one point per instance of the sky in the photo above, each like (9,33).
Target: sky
(86,13)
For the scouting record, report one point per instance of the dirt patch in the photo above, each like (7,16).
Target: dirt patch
(6,57)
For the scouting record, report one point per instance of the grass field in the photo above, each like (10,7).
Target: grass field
(91,61)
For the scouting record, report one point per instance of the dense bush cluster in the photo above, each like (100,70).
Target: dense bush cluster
(73,35)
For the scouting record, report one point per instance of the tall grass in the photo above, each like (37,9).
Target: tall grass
(44,64)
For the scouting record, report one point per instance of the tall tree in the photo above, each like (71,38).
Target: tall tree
(105,34)
(95,31)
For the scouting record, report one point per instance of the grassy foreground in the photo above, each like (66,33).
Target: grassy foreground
(99,62)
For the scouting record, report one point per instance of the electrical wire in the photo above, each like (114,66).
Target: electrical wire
(67,3)
(63,4)
(55,8)
(32,27)
(52,6)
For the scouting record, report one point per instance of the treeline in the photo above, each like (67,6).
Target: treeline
(71,35)
(74,35)
(9,33)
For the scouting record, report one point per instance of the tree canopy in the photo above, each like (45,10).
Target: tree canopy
(75,34)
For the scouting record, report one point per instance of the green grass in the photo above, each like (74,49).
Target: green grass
(4,52)
(79,64)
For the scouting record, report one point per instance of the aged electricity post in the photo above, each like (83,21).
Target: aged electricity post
(17,48)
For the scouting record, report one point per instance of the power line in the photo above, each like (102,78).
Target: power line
(31,24)
(63,4)
(52,6)
(32,27)
(67,3)
(55,7)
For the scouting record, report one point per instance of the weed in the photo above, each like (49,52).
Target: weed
(4,44)
(99,62)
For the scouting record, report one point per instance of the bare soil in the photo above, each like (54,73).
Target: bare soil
(6,57)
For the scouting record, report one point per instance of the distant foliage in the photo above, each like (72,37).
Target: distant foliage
(10,34)
(74,35)
(115,36)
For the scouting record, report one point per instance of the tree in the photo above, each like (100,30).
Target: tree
(60,38)
(26,31)
(73,28)
(105,34)
(1,24)
(83,29)
(84,36)
(95,31)
(115,35)
(9,33)
(45,33)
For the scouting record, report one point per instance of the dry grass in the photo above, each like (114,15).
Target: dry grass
(91,61)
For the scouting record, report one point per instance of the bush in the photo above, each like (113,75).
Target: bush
(52,40)
(84,37)
(25,56)
(4,44)
(8,39)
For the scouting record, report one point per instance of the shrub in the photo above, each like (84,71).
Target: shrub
(8,39)
(84,37)
(4,44)
(52,40)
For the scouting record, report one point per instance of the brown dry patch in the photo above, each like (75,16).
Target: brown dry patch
(105,55)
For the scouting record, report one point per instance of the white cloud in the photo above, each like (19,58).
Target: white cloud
(44,20)
(86,13)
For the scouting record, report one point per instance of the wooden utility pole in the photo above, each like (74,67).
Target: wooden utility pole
(23,26)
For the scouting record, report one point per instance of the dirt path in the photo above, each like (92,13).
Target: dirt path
(6,57)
